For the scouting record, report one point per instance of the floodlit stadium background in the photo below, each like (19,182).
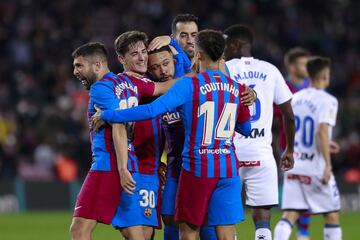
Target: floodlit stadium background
(44,143)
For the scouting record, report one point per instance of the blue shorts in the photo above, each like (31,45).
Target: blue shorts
(140,207)
(225,206)
(169,196)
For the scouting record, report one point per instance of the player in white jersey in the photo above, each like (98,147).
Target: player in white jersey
(257,164)
(311,184)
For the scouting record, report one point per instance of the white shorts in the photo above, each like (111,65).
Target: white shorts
(308,192)
(260,180)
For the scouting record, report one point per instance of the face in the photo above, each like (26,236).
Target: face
(298,68)
(326,77)
(84,71)
(136,59)
(185,36)
(162,65)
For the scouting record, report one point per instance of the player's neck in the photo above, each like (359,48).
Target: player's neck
(209,65)
(102,73)
(317,85)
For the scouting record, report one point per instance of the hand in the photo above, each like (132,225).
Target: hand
(96,120)
(162,173)
(334,147)
(287,160)
(327,175)
(248,96)
(127,182)
(159,42)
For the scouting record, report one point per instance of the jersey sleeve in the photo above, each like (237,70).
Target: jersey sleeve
(243,111)
(103,96)
(282,92)
(328,112)
(183,63)
(176,96)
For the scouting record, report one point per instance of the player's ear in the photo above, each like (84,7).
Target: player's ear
(121,59)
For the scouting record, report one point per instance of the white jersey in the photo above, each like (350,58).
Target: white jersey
(271,88)
(311,108)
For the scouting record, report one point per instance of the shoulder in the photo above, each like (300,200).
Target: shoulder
(233,62)
(329,99)
(268,66)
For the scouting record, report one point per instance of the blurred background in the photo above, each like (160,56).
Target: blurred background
(44,141)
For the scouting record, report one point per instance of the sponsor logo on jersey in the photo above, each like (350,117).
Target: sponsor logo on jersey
(304,156)
(214,151)
(172,117)
(256,133)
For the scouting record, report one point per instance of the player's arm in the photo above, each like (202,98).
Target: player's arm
(104,99)
(324,147)
(287,159)
(243,125)
(119,135)
(175,97)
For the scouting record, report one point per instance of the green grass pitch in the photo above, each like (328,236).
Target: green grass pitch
(55,225)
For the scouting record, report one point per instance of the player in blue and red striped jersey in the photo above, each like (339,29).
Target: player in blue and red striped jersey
(165,63)
(131,48)
(209,105)
(100,193)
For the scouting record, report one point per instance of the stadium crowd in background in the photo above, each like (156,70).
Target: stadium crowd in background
(37,88)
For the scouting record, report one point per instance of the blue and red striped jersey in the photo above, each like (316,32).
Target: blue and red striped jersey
(149,143)
(209,106)
(110,92)
(174,133)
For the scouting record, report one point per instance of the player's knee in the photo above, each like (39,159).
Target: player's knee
(76,231)
(148,232)
(332,218)
(225,232)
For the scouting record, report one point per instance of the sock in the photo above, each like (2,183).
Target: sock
(208,233)
(332,232)
(303,224)
(283,230)
(171,233)
(262,231)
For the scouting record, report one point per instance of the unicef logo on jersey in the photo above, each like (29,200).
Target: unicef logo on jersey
(172,117)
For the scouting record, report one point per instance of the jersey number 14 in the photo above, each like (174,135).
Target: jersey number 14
(225,124)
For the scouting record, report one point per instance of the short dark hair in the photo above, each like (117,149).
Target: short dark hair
(294,53)
(316,64)
(91,49)
(126,39)
(241,32)
(162,49)
(211,42)
(185,17)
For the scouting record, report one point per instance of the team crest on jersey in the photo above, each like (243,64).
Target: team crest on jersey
(148,212)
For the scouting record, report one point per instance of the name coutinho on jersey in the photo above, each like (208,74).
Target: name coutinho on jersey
(219,86)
